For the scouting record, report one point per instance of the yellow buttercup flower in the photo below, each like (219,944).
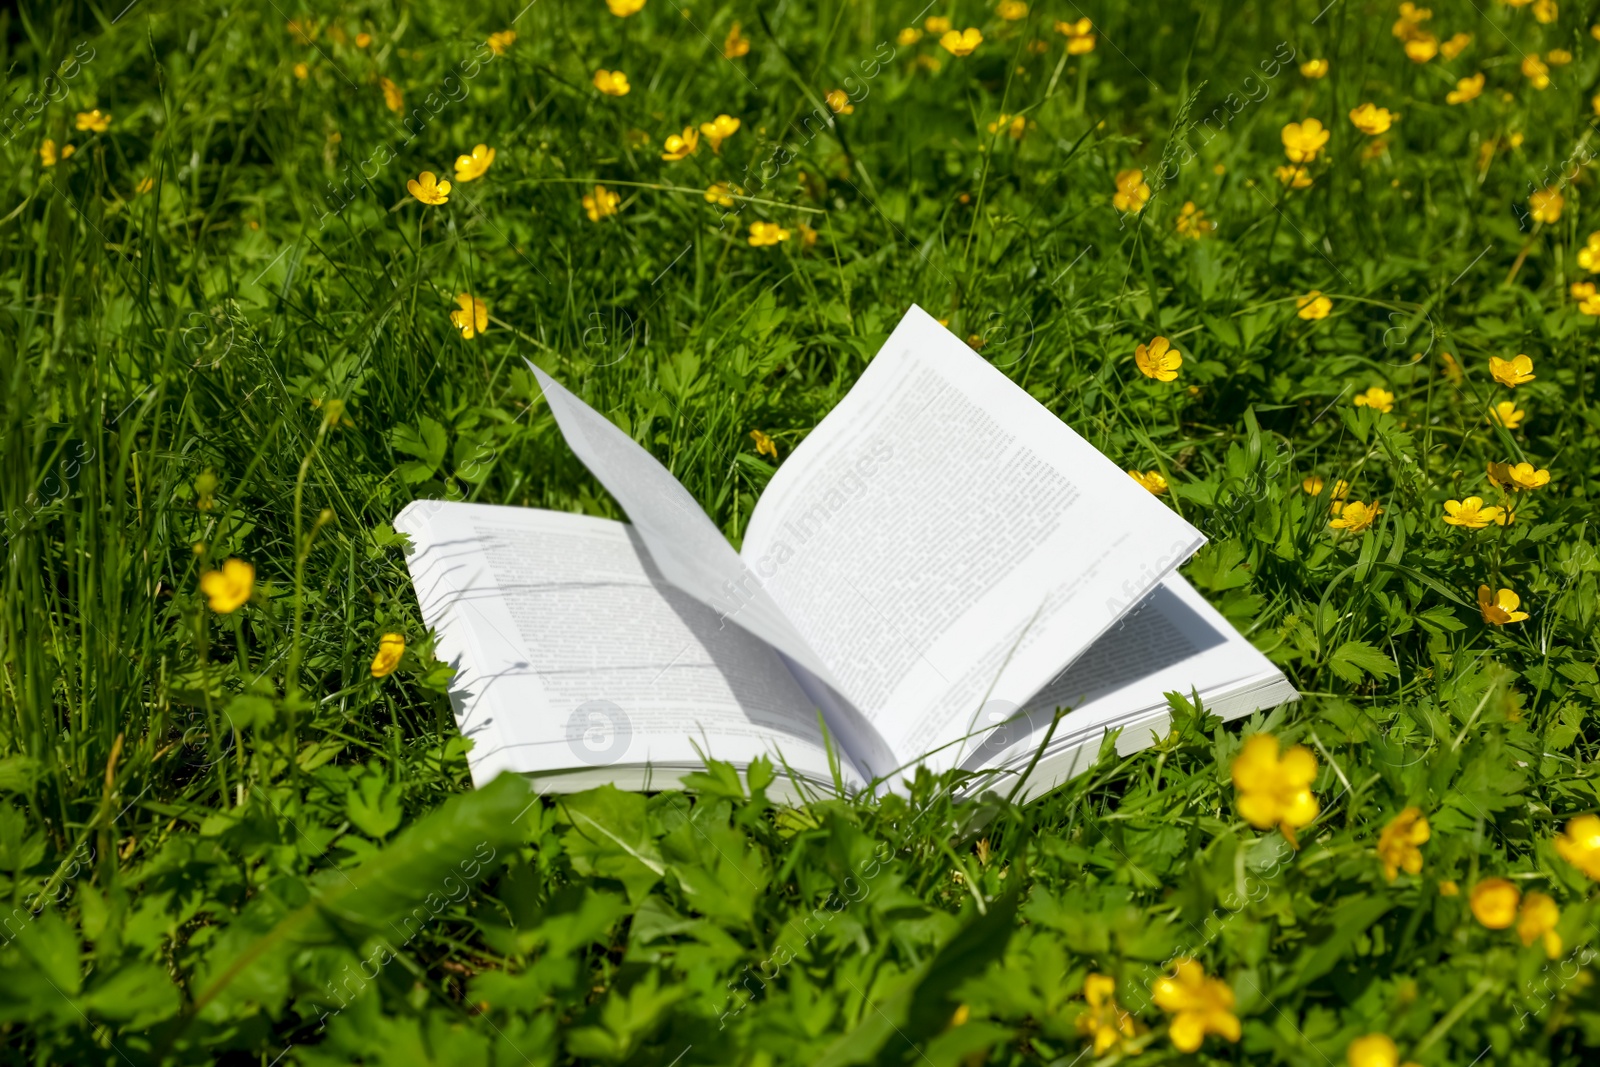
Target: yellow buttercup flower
(1312,484)
(471,167)
(765,446)
(1080,36)
(393,98)
(1191,221)
(1448,888)
(808,236)
(766,233)
(1015,125)
(1455,45)
(1356,516)
(1275,790)
(1104,1019)
(1451,368)
(302,71)
(1558,57)
(611,82)
(1153,481)
(1536,921)
(1303,140)
(500,43)
(1589,254)
(1400,841)
(1546,205)
(48,155)
(1198,1005)
(1158,359)
(364,40)
(1421,48)
(623,8)
(719,129)
(97,121)
(936,24)
(1534,69)
(718,193)
(839,102)
(1494,903)
(1517,477)
(600,203)
(1472,513)
(145,185)
(908,37)
(1511,372)
(429,189)
(1314,69)
(472,317)
(1313,305)
(736,44)
(1376,398)
(227,589)
(1132,192)
(1295,177)
(1579,844)
(1500,608)
(1012,10)
(1411,18)
(1374,1050)
(681,146)
(1371,119)
(1546,11)
(1507,414)
(961,42)
(390,648)
(1466,90)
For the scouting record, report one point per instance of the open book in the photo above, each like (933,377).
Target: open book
(929,578)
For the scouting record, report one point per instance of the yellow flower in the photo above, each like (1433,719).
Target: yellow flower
(808,236)
(736,44)
(1472,513)
(1511,372)
(500,43)
(1158,359)
(766,233)
(1579,844)
(1313,305)
(429,189)
(600,203)
(1312,485)
(717,193)
(1303,140)
(719,129)
(1448,888)
(1507,414)
(1356,516)
(1314,69)
(1558,57)
(390,648)
(1374,1050)
(1132,193)
(1371,119)
(1500,608)
(1421,48)
(229,588)
(1103,1018)
(908,37)
(1452,369)
(470,167)
(364,40)
(393,98)
(623,8)
(1275,790)
(1517,477)
(1012,10)
(839,102)
(1015,125)
(1455,45)
(1192,221)
(1494,903)
(611,82)
(1466,90)
(1546,205)
(1589,255)
(680,147)
(765,446)
(937,24)
(1154,481)
(472,318)
(1534,69)
(1411,16)
(145,185)
(48,156)
(1080,36)
(302,71)
(1537,921)
(1198,1005)
(98,121)
(1376,398)
(961,42)
(1399,841)
(1546,11)
(1295,177)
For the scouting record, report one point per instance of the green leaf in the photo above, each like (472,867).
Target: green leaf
(1354,660)
(610,838)
(373,804)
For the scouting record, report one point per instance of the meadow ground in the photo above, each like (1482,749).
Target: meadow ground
(236,824)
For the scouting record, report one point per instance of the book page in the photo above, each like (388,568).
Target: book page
(573,652)
(943,541)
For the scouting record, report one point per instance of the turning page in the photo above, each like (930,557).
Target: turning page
(943,542)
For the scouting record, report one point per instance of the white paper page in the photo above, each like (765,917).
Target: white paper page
(942,540)
(684,543)
(572,651)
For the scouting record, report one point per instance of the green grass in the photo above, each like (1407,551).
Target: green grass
(223,841)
